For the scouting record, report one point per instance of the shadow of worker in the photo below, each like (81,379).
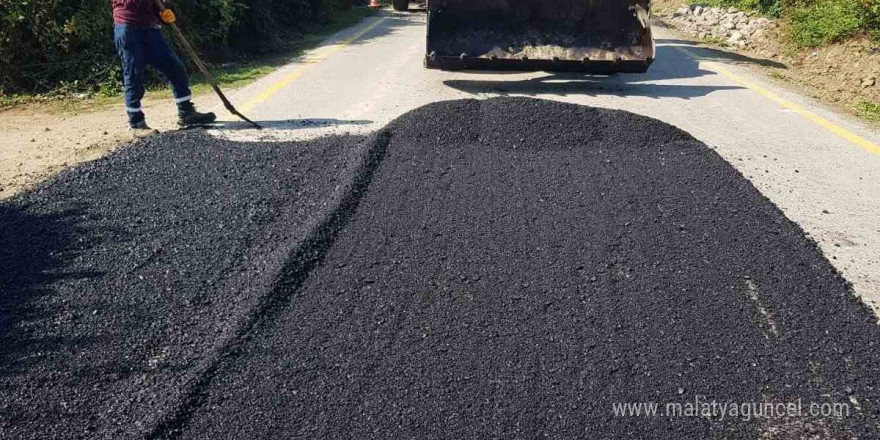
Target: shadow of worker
(36,250)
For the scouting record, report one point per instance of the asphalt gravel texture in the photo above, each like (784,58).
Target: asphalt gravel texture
(504,268)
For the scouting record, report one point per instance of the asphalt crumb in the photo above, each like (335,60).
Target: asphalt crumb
(503,268)
(122,279)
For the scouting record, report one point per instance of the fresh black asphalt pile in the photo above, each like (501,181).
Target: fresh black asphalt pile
(123,280)
(509,268)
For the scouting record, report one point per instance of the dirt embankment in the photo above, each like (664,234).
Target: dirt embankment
(845,74)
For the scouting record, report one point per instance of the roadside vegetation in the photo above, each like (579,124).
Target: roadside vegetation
(812,23)
(871,110)
(53,50)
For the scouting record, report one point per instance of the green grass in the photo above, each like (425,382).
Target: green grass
(229,75)
(232,76)
(813,23)
(870,110)
(826,22)
(712,40)
(767,7)
(777,75)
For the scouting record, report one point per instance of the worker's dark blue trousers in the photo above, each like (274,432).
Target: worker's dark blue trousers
(137,47)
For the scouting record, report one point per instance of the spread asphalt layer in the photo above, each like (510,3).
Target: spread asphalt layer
(502,268)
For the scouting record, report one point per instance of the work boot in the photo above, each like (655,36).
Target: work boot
(187,116)
(140,130)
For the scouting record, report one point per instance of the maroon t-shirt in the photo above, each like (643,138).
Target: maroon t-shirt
(140,13)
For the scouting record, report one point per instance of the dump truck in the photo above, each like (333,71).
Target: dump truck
(596,36)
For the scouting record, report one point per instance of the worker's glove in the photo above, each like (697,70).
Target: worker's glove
(167,16)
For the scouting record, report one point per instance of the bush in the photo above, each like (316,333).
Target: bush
(770,8)
(826,21)
(50,44)
(815,22)
(44,42)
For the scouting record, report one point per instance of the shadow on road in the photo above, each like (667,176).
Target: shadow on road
(414,8)
(298,53)
(394,21)
(35,254)
(671,64)
(710,54)
(290,124)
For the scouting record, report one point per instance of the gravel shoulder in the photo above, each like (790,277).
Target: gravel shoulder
(36,144)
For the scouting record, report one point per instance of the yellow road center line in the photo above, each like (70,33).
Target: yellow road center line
(816,119)
(313,57)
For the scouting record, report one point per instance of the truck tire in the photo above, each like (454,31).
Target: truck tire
(400,5)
